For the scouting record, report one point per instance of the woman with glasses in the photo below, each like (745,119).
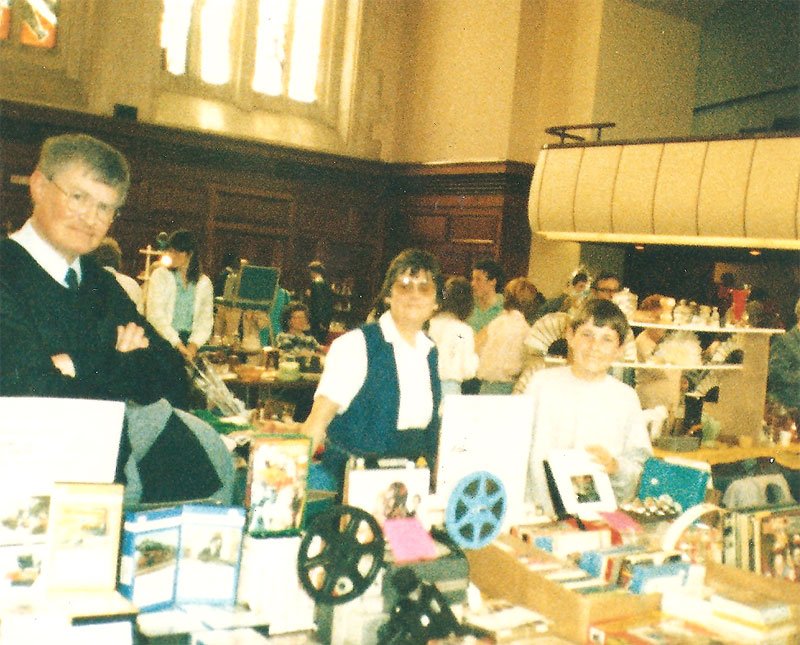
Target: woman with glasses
(380,390)
(180,298)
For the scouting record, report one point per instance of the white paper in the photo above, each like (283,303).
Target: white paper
(45,440)
(490,433)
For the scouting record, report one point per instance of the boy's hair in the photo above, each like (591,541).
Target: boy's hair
(492,270)
(105,164)
(457,298)
(602,313)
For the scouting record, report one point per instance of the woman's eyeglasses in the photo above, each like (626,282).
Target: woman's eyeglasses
(408,284)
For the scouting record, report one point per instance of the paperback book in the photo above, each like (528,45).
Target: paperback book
(84,536)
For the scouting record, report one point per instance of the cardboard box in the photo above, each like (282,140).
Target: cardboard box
(498,573)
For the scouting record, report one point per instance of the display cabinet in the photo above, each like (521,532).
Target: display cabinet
(742,384)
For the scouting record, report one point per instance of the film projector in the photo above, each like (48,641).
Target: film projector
(344,549)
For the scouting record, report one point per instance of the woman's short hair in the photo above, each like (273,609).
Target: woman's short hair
(520,294)
(602,313)
(288,310)
(457,298)
(414,261)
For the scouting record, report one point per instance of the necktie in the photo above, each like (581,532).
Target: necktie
(71,279)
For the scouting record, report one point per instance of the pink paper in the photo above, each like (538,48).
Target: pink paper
(409,540)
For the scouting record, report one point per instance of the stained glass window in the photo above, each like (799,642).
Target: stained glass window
(34,23)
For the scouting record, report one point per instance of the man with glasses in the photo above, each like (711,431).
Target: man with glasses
(67,329)
(606,286)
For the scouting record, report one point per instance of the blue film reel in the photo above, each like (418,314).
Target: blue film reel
(475,510)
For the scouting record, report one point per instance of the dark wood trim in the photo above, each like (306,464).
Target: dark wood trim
(738,100)
(628,142)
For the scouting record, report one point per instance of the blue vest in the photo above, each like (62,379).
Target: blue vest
(368,427)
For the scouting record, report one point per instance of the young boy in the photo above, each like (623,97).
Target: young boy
(582,406)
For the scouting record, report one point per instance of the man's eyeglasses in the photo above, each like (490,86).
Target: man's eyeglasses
(81,202)
(607,290)
(406,284)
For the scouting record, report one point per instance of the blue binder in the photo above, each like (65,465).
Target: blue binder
(686,485)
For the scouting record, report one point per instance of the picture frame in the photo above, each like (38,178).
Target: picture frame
(582,487)
(84,536)
(276,490)
(388,493)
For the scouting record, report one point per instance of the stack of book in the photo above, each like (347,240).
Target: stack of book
(766,541)
(739,615)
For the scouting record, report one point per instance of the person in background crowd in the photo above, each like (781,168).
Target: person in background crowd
(723,291)
(606,286)
(783,381)
(319,297)
(654,386)
(501,348)
(762,311)
(380,391)
(580,406)
(230,265)
(67,328)
(487,280)
(180,298)
(454,338)
(109,256)
(295,339)
(578,285)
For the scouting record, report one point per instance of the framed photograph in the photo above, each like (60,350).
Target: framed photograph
(388,493)
(276,483)
(581,484)
(84,537)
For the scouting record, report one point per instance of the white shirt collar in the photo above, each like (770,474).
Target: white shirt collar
(392,334)
(44,253)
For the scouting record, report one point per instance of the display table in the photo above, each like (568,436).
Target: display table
(269,386)
(787,456)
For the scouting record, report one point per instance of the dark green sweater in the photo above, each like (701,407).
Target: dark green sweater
(40,318)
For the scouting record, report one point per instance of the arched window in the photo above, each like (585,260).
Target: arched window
(279,55)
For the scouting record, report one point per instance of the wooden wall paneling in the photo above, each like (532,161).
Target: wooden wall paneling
(462,212)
